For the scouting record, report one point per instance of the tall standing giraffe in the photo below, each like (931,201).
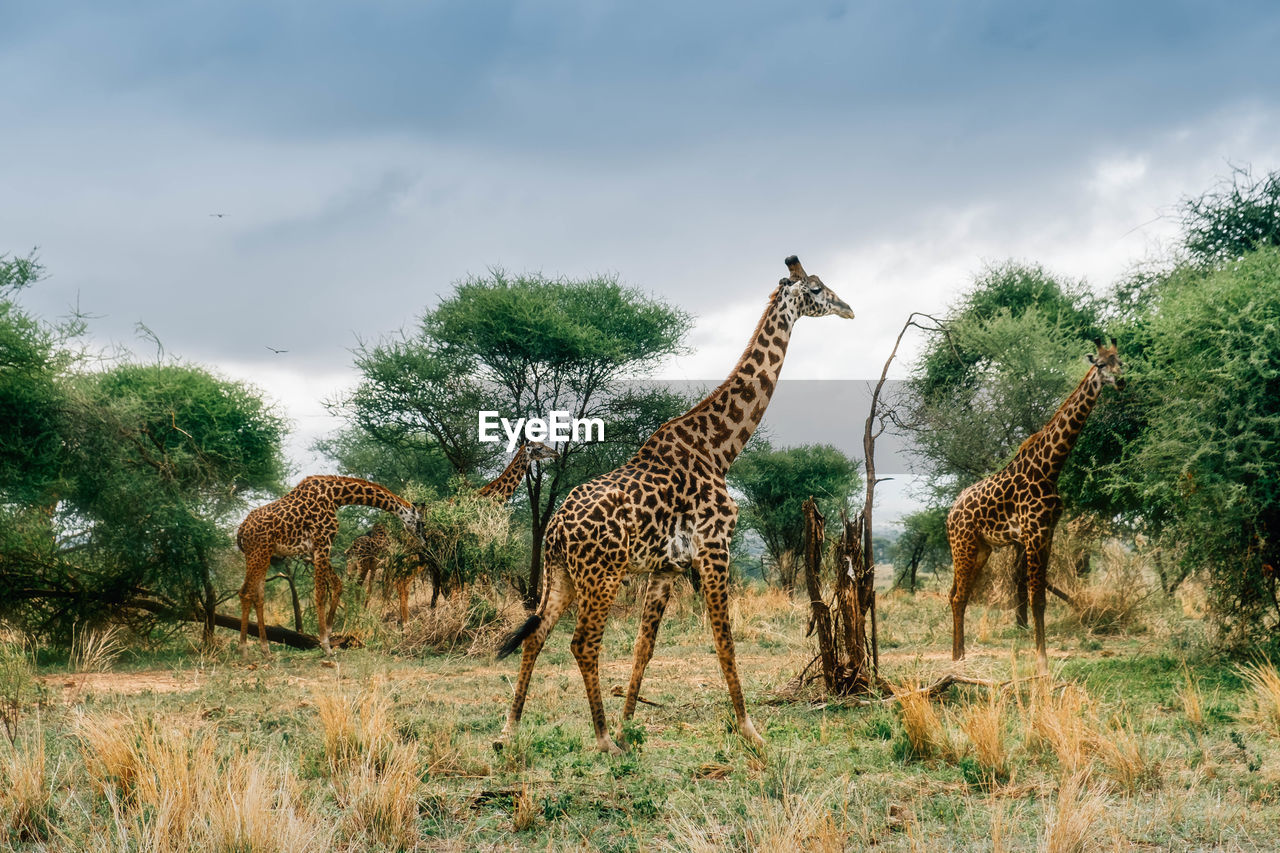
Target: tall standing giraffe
(499,490)
(665,512)
(303,524)
(1019,504)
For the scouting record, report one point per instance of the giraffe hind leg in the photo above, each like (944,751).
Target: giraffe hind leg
(533,634)
(593,613)
(252,593)
(1020,587)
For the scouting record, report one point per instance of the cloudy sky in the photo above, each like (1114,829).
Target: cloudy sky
(368,154)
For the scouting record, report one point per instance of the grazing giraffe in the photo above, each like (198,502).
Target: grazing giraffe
(303,524)
(499,490)
(665,512)
(365,554)
(1019,505)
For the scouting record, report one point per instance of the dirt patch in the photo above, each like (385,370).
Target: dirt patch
(124,683)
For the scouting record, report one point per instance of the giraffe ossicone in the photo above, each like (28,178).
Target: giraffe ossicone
(663,513)
(1019,505)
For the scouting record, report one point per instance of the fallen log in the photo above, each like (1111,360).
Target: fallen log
(275,633)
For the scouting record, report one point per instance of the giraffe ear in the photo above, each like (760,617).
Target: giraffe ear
(1092,359)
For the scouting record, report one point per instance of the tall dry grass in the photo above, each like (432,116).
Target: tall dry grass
(94,649)
(1263,682)
(1073,822)
(27,809)
(383,799)
(803,823)
(166,790)
(1066,721)
(984,723)
(923,725)
(356,727)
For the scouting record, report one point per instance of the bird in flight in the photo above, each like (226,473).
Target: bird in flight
(276,351)
(217,215)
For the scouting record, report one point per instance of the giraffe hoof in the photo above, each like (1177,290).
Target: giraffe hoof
(608,747)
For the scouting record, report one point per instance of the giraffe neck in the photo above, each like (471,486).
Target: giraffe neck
(504,486)
(351,491)
(726,419)
(1049,448)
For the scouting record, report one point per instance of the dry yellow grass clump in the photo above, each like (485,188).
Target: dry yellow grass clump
(27,811)
(1073,823)
(1264,686)
(1066,721)
(166,790)
(983,722)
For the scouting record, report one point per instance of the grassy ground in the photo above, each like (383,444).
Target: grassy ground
(1141,740)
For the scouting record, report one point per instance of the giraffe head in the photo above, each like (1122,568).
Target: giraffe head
(808,296)
(412,516)
(539,451)
(1108,362)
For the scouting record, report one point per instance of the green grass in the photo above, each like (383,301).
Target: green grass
(833,777)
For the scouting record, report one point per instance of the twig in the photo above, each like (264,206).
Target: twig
(618,691)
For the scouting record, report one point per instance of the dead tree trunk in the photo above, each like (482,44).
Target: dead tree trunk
(840,627)
(275,633)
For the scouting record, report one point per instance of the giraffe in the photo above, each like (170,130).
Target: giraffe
(665,512)
(302,524)
(365,554)
(499,490)
(1019,505)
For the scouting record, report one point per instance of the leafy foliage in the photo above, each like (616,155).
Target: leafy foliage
(119,485)
(1235,217)
(522,346)
(775,484)
(1013,351)
(1206,470)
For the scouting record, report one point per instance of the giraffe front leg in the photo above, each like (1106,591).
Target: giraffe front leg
(656,596)
(968,558)
(714,571)
(593,613)
(322,574)
(1037,583)
(1020,588)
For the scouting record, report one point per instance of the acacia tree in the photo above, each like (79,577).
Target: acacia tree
(163,458)
(1013,349)
(775,484)
(1206,467)
(522,346)
(1239,215)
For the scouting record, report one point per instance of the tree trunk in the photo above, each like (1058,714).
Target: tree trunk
(820,614)
(293,595)
(275,633)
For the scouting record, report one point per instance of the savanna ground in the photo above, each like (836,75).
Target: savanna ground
(1143,739)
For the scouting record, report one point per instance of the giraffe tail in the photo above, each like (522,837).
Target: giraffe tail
(516,640)
(552,546)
